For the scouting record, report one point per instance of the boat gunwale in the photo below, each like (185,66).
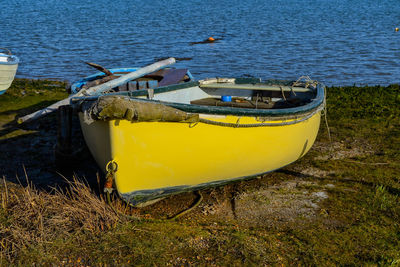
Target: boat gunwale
(315,103)
(14,62)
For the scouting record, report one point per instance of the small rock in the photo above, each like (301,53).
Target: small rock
(320,194)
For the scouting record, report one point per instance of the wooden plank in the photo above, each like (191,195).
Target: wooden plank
(100,88)
(64,129)
(142,85)
(235,103)
(254,87)
(128,77)
(158,74)
(132,85)
(173,76)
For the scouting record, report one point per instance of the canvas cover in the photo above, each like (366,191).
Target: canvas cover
(123,108)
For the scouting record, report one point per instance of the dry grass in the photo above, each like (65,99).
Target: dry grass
(30,217)
(338,205)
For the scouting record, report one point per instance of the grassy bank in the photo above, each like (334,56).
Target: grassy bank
(337,205)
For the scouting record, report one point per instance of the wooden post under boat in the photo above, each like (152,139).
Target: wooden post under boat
(64,130)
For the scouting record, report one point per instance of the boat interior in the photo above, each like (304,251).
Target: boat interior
(216,95)
(239,94)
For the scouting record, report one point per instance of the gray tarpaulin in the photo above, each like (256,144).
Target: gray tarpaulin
(117,107)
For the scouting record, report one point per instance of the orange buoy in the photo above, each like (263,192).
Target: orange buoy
(210,39)
(396,29)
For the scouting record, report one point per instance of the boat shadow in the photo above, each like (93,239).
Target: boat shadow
(28,152)
(12,124)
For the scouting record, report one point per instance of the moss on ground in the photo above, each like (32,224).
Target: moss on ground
(23,97)
(338,205)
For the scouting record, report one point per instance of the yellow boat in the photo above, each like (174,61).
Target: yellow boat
(157,142)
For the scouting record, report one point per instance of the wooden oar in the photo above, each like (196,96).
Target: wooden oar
(100,68)
(100,88)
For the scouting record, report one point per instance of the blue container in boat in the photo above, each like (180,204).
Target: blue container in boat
(226,98)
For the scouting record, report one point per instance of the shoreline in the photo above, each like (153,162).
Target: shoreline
(68,82)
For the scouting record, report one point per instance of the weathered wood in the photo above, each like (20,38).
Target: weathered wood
(100,68)
(235,103)
(248,104)
(99,81)
(100,88)
(45,111)
(254,87)
(173,77)
(128,77)
(64,130)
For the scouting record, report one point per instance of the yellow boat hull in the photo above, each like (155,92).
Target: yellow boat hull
(155,159)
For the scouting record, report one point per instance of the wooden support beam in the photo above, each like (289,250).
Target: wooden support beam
(64,130)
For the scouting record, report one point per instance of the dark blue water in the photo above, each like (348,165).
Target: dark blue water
(340,42)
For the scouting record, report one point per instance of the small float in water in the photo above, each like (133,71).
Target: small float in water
(156,142)
(8,68)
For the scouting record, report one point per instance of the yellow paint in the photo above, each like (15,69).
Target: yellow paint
(153,155)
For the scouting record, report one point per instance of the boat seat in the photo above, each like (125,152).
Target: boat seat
(173,76)
(249,104)
(163,77)
(235,103)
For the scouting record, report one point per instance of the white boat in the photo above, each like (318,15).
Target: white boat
(8,68)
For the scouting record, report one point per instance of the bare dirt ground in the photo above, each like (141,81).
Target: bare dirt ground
(338,205)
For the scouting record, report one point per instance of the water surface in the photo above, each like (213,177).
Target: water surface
(340,42)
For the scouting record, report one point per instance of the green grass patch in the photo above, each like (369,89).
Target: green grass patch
(356,224)
(29,95)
